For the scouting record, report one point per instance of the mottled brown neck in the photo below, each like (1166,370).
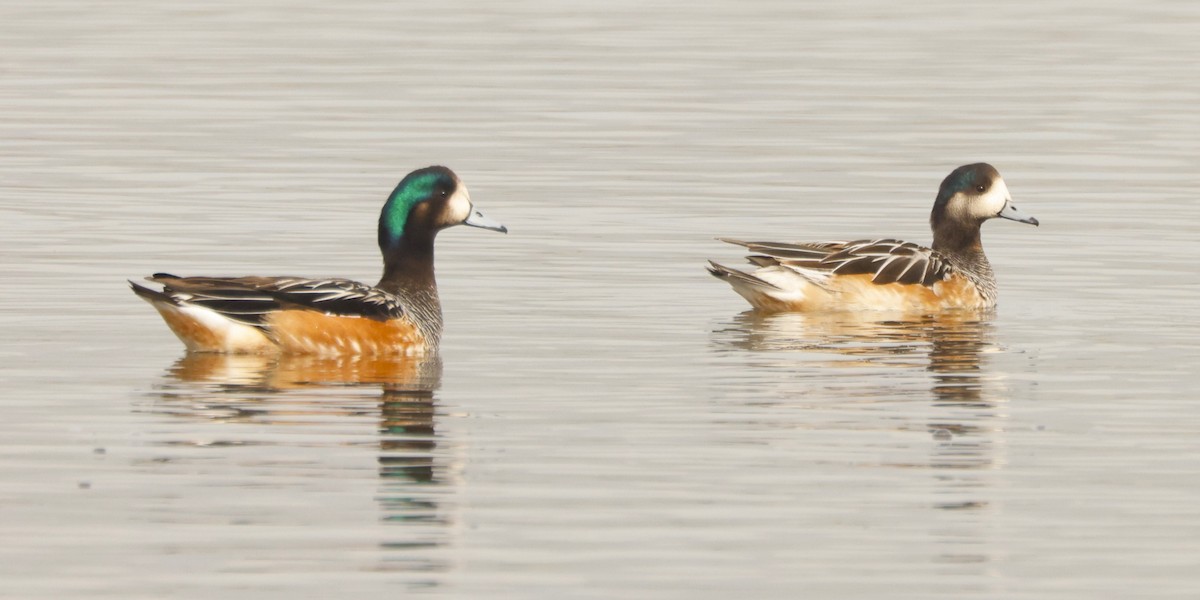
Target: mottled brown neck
(963,248)
(957,240)
(408,273)
(409,266)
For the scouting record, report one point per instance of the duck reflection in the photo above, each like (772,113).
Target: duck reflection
(948,346)
(962,409)
(313,391)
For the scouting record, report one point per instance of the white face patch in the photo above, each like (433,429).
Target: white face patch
(458,208)
(991,202)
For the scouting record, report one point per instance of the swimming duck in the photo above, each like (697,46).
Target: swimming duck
(400,315)
(887,274)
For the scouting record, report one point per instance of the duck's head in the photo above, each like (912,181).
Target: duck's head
(425,202)
(972,194)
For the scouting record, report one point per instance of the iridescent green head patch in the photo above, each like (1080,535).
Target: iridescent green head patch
(969,179)
(417,187)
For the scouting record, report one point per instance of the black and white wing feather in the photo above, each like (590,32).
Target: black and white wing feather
(885,260)
(250,299)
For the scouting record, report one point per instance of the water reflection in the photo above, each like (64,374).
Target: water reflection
(932,375)
(323,395)
(949,347)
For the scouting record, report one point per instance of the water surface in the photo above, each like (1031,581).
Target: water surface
(606,420)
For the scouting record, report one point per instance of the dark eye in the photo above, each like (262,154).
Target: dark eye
(981,188)
(443,193)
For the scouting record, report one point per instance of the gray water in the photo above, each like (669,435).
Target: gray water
(606,421)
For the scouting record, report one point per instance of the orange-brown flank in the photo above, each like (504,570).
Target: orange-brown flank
(309,332)
(858,292)
(957,292)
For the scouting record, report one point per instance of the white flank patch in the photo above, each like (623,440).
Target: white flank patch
(798,278)
(234,336)
(793,282)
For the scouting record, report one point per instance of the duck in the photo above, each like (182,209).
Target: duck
(887,274)
(401,315)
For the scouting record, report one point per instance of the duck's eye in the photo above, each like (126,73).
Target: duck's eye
(443,193)
(981,188)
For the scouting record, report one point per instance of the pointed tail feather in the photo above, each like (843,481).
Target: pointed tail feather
(150,295)
(738,278)
(733,241)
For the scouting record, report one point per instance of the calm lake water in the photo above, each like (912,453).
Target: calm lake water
(606,421)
